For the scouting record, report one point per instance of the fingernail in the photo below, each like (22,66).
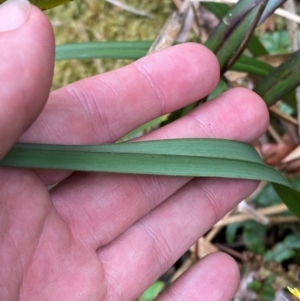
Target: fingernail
(13,13)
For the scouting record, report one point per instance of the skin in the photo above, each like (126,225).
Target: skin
(109,236)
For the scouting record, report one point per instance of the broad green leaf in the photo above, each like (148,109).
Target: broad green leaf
(263,289)
(231,231)
(255,285)
(46,4)
(277,42)
(254,236)
(182,157)
(279,253)
(267,293)
(292,241)
(281,81)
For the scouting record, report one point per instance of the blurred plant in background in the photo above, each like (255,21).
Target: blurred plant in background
(260,233)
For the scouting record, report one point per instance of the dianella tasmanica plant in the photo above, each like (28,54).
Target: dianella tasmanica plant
(236,48)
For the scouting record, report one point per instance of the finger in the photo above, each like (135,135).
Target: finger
(157,240)
(104,108)
(26,56)
(224,117)
(214,278)
(26,68)
(107,106)
(98,207)
(24,207)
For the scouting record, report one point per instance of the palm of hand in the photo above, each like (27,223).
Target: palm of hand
(106,236)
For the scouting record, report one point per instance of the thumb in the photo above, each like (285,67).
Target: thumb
(26,68)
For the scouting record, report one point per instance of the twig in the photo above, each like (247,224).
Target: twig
(130,9)
(276,111)
(168,33)
(263,211)
(244,207)
(274,134)
(230,251)
(182,6)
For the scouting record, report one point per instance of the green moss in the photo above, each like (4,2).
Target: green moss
(95,20)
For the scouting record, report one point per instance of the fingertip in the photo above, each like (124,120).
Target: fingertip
(251,108)
(226,275)
(190,69)
(215,278)
(203,65)
(239,113)
(226,264)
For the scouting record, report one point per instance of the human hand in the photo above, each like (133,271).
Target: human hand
(99,236)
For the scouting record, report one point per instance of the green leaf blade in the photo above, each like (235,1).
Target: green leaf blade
(180,157)
(93,50)
(281,81)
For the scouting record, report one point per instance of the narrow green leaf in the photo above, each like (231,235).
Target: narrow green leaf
(281,81)
(137,49)
(230,23)
(252,66)
(182,157)
(220,10)
(289,196)
(230,37)
(269,10)
(155,123)
(152,292)
(219,89)
(113,50)
(256,47)
(232,41)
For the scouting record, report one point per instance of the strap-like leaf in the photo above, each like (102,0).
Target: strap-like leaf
(281,81)
(182,157)
(269,10)
(220,10)
(113,50)
(232,34)
(137,49)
